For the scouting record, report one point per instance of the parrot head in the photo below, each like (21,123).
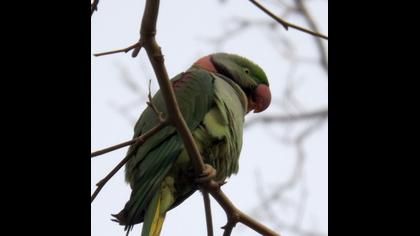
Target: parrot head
(248,75)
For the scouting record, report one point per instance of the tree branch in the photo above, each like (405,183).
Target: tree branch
(136,143)
(159,115)
(148,42)
(140,139)
(286,24)
(288,118)
(311,22)
(279,191)
(234,215)
(137,45)
(207,208)
(93,7)
(147,35)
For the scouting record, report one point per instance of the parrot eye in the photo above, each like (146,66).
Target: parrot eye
(246,70)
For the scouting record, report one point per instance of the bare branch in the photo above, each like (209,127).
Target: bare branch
(141,139)
(286,24)
(147,35)
(137,45)
(124,112)
(278,192)
(298,230)
(311,22)
(300,159)
(133,86)
(207,208)
(136,143)
(93,7)
(130,82)
(153,50)
(234,215)
(102,183)
(288,118)
(229,33)
(158,114)
(147,32)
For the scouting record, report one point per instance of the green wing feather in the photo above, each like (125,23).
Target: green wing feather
(152,161)
(218,136)
(213,107)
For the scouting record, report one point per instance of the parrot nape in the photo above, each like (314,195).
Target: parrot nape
(214,95)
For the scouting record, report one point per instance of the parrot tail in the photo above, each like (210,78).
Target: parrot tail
(156,211)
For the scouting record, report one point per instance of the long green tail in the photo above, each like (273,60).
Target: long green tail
(156,211)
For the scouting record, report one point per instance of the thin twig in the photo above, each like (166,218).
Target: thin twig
(286,24)
(300,6)
(207,208)
(159,115)
(136,142)
(297,230)
(130,82)
(142,138)
(288,118)
(102,183)
(137,45)
(279,191)
(93,7)
(112,148)
(234,215)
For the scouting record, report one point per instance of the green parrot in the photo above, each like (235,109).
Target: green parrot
(214,95)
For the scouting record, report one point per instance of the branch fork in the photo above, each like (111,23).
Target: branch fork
(148,42)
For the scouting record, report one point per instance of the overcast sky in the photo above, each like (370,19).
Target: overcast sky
(183,30)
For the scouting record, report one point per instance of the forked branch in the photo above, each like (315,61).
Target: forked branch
(286,24)
(147,35)
(148,42)
(136,143)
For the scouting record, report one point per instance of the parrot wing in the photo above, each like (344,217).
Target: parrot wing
(152,161)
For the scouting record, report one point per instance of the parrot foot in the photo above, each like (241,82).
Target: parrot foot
(208,174)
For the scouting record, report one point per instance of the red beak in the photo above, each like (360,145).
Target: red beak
(261,99)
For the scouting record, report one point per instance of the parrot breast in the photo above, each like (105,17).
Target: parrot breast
(220,134)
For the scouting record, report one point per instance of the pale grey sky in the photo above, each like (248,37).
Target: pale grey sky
(182,29)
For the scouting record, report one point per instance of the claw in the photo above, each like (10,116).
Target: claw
(208,174)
